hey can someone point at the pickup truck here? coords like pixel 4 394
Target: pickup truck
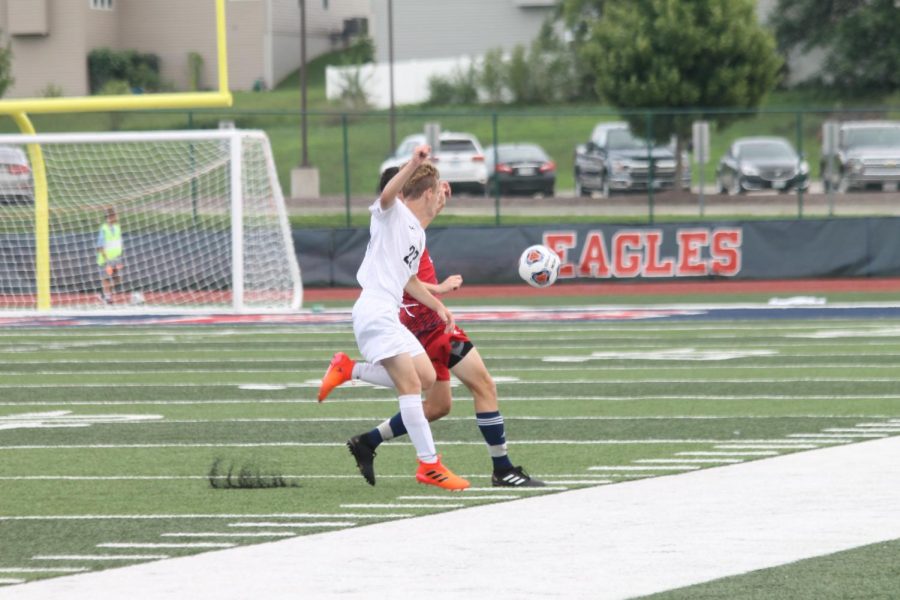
pixel 615 160
pixel 867 155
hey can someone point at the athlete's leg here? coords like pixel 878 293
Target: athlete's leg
pixel 408 374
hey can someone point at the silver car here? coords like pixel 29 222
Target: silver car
pixel 16 184
pixel 460 159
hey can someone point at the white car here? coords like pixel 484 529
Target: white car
pixel 460 160
pixel 16 185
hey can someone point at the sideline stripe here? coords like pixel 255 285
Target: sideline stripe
pixel 402 505
pixel 201 516
pixel 99 556
pixel 214 534
pixel 296 525
pixel 166 545
pixel 43 570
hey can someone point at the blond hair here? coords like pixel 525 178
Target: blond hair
pixel 425 177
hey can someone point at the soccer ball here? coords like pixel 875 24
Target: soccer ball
pixel 539 266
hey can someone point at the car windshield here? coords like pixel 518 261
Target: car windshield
pixel 872 136
pixel 621 139
pixel 458 146
pixel 766 150
pixel 519 153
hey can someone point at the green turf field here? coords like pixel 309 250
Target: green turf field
pixel 108 434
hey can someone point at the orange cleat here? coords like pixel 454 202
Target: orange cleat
pixel 339 371
pixel 437 474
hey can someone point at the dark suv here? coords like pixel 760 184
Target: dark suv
pixel 867 155
pixel 615 160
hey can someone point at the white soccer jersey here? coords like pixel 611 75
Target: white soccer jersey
pixel 396 241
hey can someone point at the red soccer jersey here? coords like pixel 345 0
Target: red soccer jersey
pixel 414 316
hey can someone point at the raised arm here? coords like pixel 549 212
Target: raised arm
pixel 393 187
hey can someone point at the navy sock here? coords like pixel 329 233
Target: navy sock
pixel 375 437
pixel 491 426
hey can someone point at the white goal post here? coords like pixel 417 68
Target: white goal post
pixel 201 222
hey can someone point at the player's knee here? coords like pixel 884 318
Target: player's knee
pixel 427 377
pixel 435 410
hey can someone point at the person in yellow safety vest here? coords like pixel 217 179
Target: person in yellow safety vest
pixel 109 255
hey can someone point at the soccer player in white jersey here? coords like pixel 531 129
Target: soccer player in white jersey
pixel 389 268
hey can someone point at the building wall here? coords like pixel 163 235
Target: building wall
pixel 426 29
pixel 59 58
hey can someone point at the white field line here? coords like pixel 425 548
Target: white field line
pixel 402 505
pixel 582 360
pixel 577 481
pixel 43 570
pixel 295 524
pixel 164 545
pixel 859 432
pixel 154 517
pixel 890 423
pixel 692 461
pixel 546 488
pixel 602 442
pixel 749 453
pixel 766 447
pixel 99 556
pixel 220 534
pixel 643 468
pixel 835 437
pixel 506 399
pixel 10 581
pixel 462 497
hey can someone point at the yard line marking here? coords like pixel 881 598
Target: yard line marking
pixel 296 524
pixel 546 488
pixel 401 505
pixel 689 460
pixel 766 447
pixel 151 545
pixel 835 437
pixel 643 468
pixel 215 534
pixel 462 497
pixel 201 516
pixel 749 453
pixel 43 570
pixel 338 444
pixel 389 400
pixel 99 556
pixel 10 581
pixel 858 431
pixel 578 481
pixel 891 424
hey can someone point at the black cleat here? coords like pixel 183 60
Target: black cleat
pixel 365 457
pixel 514 477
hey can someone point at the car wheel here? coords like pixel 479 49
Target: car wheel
pixel 735 188
pixel 580 190
pixel 720 185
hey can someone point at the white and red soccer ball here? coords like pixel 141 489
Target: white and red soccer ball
pixel 539 266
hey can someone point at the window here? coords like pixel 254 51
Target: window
pixel 102 4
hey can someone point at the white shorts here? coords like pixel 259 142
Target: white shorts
pixel 379 333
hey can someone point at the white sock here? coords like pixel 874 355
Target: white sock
pixel 417 427
pixel 374 374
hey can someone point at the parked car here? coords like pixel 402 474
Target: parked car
pixel 460 159
pixel 867 155
pixel 761 163
pixel 16 183
pixel 614 159
pixel 520 169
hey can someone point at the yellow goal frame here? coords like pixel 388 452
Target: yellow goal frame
pixel 19 109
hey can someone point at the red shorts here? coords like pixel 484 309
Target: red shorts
pixel 437 346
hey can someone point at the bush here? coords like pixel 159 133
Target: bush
pixel 139 71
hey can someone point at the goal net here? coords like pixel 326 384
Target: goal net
pixel 146 222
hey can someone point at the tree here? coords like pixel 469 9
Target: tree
pixel 859 37
pixel 680 55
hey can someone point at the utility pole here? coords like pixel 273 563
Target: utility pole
pixel 392 110
pixel 304 161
